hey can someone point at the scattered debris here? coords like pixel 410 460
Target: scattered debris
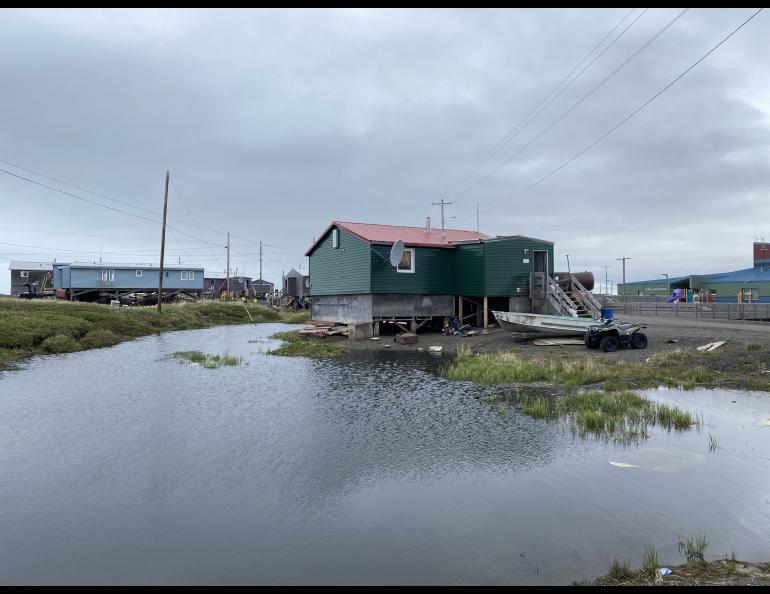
pixel 711 346
pixel 436 349
pixel 623 464
pixel 557 341
pixel 374 338
pixel 663 571
pixel 406 338
pixel 672 341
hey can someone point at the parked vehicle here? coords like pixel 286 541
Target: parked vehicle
pixel 611 335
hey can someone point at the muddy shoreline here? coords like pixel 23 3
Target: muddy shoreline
pixel 663 335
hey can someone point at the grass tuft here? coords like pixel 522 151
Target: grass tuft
pixel 620 570
pixel 650 561
pixel 205 359
pixel 297 345
pixel 693 548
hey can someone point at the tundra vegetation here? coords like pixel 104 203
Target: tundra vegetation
pixel 746 369
pixel 29 328
pixel 206 360
pixel 697 571
pixel 620 416
pixel 297 345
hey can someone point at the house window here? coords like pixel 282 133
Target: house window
pixel 138 273
pixel 335 238
pixel 184 275
pixel 108 275
pixel 188 275
pixel 24 273
pixel 407 261
pixel 212 282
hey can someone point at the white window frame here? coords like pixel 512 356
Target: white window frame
pixel 138 273
pixel 24 273
pixel 108 275
pixel 191 275
pixel 183 275
pixel 335 238
pixel 411 268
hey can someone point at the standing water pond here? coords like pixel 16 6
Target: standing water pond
pixel 121 466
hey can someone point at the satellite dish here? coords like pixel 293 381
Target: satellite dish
pixel 396 253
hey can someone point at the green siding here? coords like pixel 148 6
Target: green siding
pixel 493 268
pixel 345 270
pixel 469 269
pixel 658 288
pixel 730 290
pixel 504 268
pixel 433 272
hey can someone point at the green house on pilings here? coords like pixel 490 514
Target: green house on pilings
pixel 442 273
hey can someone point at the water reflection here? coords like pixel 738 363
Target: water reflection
pixel 119 468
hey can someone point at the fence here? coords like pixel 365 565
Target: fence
pixel 696 311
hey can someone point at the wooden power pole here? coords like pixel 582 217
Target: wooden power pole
pixel 443 204
pixel 228 265
pixel 624 278
pixel 162 246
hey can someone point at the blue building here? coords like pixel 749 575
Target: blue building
pixel 748 285
pixel 93 282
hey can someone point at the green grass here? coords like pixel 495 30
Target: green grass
pixel 678 368
pixel 30 328
pixel 650 561
pixel 620 570
pixel 297 345
pixel 621 416
pixel 206 360
pixel 753 346
pixel 694 549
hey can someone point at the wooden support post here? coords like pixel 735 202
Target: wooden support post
pixel 460 306
pixel 413 326
pixel 486 312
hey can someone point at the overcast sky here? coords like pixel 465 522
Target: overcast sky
pixel 273 123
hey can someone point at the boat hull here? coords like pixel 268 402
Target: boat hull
pixel 527 323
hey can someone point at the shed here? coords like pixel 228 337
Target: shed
pixel 30 275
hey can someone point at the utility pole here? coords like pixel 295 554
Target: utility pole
pixel 624 277
pixel 228 265
pixel 442 204
pixel 477 217
pixel 606 290
pixel 162 245
pixel 260 262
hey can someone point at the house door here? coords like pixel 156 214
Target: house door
pixel 540 263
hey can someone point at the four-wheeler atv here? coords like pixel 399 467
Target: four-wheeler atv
pixel 611 335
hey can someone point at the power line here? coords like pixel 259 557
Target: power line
pixel 575 105
pixel 628 117
pixel 178 193
pixel 93 202
pixel 527 119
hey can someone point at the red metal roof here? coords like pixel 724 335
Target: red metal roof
pixel 411 236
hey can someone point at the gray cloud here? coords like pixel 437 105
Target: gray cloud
pixel 274 122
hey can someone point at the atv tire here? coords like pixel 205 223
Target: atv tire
pixel 639 340
pixel 609 343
